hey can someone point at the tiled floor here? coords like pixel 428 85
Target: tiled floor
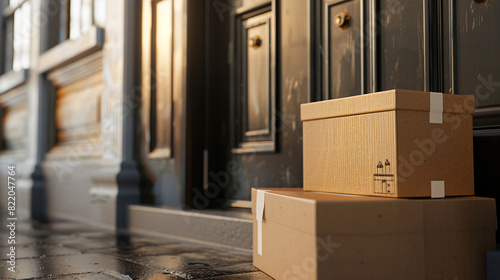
pixel 70 250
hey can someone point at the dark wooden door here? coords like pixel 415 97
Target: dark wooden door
pixel 258 68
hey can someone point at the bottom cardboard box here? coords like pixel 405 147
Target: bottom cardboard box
pixel 307 235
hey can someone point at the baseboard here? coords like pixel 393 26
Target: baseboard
pixel 222 230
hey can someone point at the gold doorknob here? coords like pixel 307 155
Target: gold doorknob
pixel 342 20
pixel 254 42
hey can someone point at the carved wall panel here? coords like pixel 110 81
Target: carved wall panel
pixel 15 127
pixel 78 105
pixel 14 120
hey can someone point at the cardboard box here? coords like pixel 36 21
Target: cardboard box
pixel 397 143
pixel 308 235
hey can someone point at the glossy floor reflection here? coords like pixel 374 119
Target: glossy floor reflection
pixel 71 250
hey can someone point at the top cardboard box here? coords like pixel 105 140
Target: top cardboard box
pixel 396 143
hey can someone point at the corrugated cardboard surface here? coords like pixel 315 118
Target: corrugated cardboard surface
pixel 341 154
pixel 434 152
pixel 396 99
pixel 310 235
pixel 345 139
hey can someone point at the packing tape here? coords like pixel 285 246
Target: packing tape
pixel 437 189
pixel 436 108
pixel 259 217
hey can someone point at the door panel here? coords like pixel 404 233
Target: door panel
pixel 477 55
pixel 161 101
pixel 470 44
pixel 257 95
pixel 400 46
pixel 258 79
pixel 342 42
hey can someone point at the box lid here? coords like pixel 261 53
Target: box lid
pixel 325 213
pixel 396 99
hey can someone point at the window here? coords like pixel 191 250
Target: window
pixel 16 33
pixel 83 14
pixel 74 18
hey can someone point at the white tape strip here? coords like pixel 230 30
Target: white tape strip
pixel 259 216
pixel 436 109
pixel 437 189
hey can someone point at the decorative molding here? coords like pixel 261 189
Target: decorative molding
pixel 78 117
pixel 15 127
pixel 255 147
pixel 14 119
pixel 160 153
pixel 372 49
pixel 362 47
pixel 486 132
pixel 77 70
pixel 487 111
pixel 64 152
pixel 452 46
pixel 427 48
pixel 250 6
pixel 71 50
pixel 12 80
pixel 79 133
pixel 486 121
pixel 240 204
pixel 13 97
pixel 78 106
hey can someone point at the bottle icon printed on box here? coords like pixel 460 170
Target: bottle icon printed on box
pixel 383 179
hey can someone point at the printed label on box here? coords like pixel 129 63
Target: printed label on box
pixel 383 179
